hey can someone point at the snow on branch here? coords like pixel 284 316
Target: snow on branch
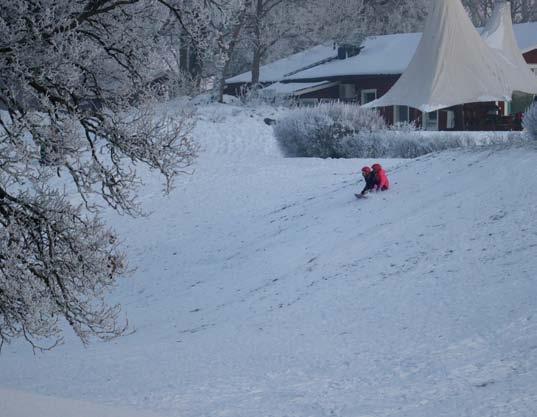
pixel 76 116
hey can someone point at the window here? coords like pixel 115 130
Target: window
pixel 534 69
pixel 508 108
pixel 368 96
pixel 433 116
pixel 430 121
pixel 401 114
pixel 450 122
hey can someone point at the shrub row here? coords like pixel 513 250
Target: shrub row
pixel 337 130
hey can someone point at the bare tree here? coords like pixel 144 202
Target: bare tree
pixel 269 22
pixel 212 28
pixel 524 10
pixel 227 25
pixel 77 97
pixel 521 10
pixel 479 10
pixel 188 46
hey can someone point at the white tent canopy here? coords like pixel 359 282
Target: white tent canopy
pixel 499 35
pixel 454 65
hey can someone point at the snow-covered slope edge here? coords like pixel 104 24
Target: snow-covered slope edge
pixel 21 404
pixel 264 288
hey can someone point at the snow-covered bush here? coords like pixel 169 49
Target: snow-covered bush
pixel 404 126
pixel 530 121
pixel 254 97
pixel 321 130
pixel 347 131
pixel 411 144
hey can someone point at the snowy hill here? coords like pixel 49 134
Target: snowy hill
pixel 264 288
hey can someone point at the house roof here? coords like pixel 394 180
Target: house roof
pixel 277 70
pixel 386 54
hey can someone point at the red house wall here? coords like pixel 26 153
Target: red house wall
pixel 326 93
pixel 531 56
pixel 415 116
pixel 382 83
pixel 387 113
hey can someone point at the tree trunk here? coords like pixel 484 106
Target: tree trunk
pixel 256 61
pixel 221 83
pixel 256 64
pixel 228 52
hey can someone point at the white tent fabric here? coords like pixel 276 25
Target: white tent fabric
pixel 452 65
pixel 499 35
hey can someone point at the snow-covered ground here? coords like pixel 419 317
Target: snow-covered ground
pixel 264 288
pixel 15 403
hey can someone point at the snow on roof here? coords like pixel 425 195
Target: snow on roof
pixel 291 88
pixel 277 70
pixel 526 36
pixel 386 54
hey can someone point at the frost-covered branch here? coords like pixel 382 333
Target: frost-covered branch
pixel 76 117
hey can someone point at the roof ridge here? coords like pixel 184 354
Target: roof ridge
pixel 322 61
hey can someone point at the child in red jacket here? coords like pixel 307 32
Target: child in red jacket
pixel 370 181
pixel 382 181
pixel 375 180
